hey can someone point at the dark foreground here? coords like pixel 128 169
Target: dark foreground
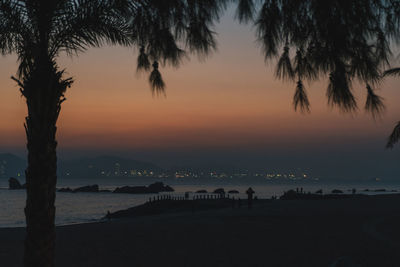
pixel 364 231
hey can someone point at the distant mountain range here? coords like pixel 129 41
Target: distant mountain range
pixel 13 166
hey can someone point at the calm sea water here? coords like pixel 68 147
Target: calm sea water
pixel 90 207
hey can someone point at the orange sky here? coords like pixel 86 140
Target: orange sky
pixel 229 100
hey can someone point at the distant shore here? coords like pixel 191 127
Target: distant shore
pixel 359 231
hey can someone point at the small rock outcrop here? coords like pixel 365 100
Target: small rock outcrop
pixel 155 188
pixel 380 190
pixel 14 184
pixel 87 189
pixel 160 187
pixel 337 191
pixel 132 190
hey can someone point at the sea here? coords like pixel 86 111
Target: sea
pixel 74 208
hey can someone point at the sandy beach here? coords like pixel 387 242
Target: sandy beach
pixel 360 231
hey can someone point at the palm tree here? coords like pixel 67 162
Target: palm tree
pixel 340 39
pixel 38 31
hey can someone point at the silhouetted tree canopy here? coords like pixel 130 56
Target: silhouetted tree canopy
pixel 346 41
pixel 342 40
pixel 163 31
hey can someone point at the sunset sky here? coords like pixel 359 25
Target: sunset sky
pixel 227 109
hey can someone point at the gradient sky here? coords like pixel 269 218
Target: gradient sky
pixel 225 110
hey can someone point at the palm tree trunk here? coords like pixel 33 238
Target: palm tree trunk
pixel 44 91
pixel 41 177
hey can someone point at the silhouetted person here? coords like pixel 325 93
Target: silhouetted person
pixel 250 193
pixel 239 203
pixel 354 191
pixel 301 190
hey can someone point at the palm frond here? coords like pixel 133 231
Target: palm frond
pixel 300 99
pixel 303 67
pixel 200 38
pixel 374 103
pixel 143 62
pixel 85 23
pixel 268 24
pixel 284 68
pixel 394 137
pixel 364 63
pixel 245 10
pixel 339 90
pixel 162 46
pixel 382 50
pixel 156 80
pixel 14 26
pixel 392 72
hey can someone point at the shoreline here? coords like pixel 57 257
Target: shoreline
pixel 127 215
pixel 361 231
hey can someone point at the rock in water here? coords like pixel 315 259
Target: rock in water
pixel 151 189
pixel 133 190
pixel 89 188
pixel 14 184
pixel 337 191
pixel 160 187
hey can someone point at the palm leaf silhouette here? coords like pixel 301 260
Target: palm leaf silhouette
pixel 156 81
pixel 339 90
pixel 245 10
pixel 392 72
pixel 394 137
pixel 284 68
pixel 143 62
pixel 374 103
pixel 300 99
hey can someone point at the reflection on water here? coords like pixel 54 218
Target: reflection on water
pixel 87 207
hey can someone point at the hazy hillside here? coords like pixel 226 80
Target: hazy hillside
pixel 103 166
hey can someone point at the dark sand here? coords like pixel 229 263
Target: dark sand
pixel 346 232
